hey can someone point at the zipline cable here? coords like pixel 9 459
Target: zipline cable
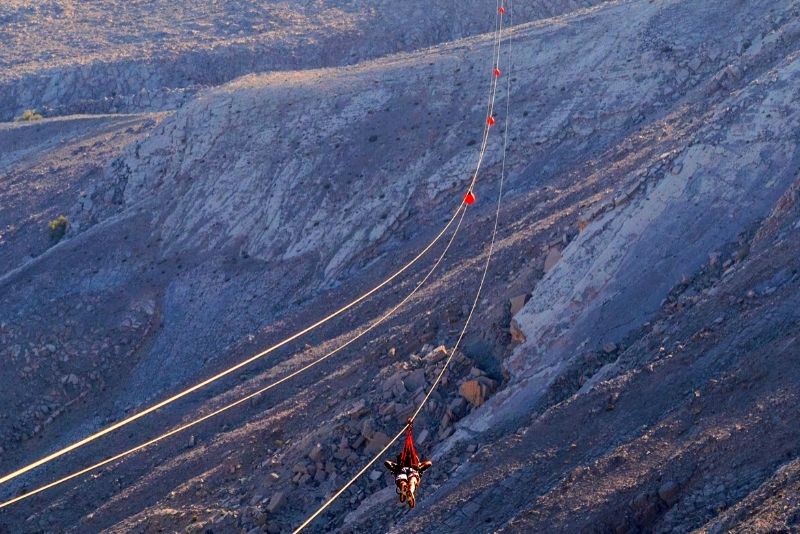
pixel 220 375
pixel 226 372
pixel 463 330
pixel 264 389
pixel 128 420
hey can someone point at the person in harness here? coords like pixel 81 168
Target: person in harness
pixel 408 469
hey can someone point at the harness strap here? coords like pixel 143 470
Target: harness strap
pixel 409 456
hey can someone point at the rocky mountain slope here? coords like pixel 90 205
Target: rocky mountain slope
pixel 633 363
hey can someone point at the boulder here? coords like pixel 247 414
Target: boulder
pixel 474 372
pixel 490 384
pixel 415 380
pixel 276 502
pixel 403 411
pixel 366 429
pixel 391 384
pixel 315 454
pixel 518 302
pixel 300 468
pixel 473 391
pixel 458 407
pixel 360 440
pixel 359 409
pixel 436 355
pixel 388 409
pixel 378 441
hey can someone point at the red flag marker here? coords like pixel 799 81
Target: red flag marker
pixel 469 198
pixel 502 10
pixel 490 121
pixel 497 72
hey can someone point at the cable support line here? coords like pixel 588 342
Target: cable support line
pixel 490 251
pixel 228 371
pixel 260 391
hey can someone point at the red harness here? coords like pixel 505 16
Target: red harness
pixel 409 457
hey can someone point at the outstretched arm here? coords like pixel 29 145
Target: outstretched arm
pixel 391 466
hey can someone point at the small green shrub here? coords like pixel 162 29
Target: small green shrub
pixel 58 227
pixel 29 115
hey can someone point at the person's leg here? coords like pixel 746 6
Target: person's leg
pixel 413 481
pixel 402 486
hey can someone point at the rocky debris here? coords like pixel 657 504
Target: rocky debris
pixel 367 429
pixel 415 380
pixel 343 451
pixel 436 355
pixel 394 386
pixel 359 409
pixel 458 407
pixel 377 442
pixel 315 454
pixel 474 392
pixel 276 502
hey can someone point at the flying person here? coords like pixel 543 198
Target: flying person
pixel 408 469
